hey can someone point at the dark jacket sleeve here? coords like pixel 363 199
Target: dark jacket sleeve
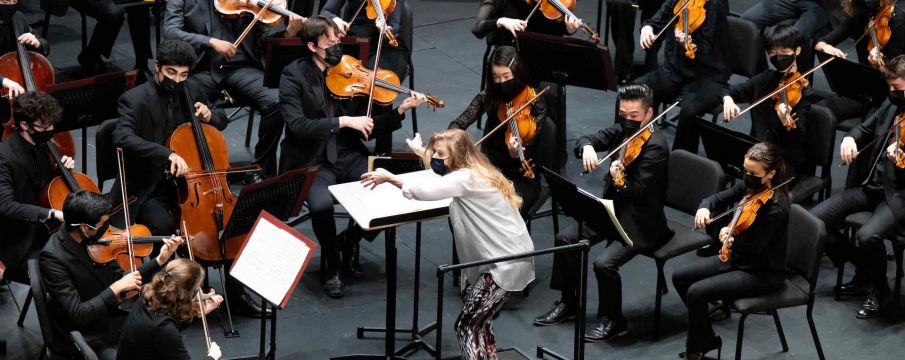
pixel 26 28
pixel 724 198
pixel 744 92
pixel 387 122
pixel 291 92
pixel 649 166
pixel 659 20
pixel 174 24
pixel 168 342
pixel 125 135
pixel 332 8
pixel 9 207
pixel 472 113
pixel 758 236
pixel 603 140
pixel 147 270
pixel 488 15
pixel 840 32
pixel 82 312
pixel 866 131
pixel 395 19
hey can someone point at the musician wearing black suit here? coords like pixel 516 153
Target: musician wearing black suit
pixel 237 69
pixel 85 295
pixel 13 22
pixel 881 191
pixel 25 167
pixel 638 205
pixel 498 20
pixel 622 24
pixel 325 131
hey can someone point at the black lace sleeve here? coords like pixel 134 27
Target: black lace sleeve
pixel 472 113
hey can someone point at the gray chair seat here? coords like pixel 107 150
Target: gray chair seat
pixel 858 219
pixel 790 295
pixel 683 241
pixel 805 187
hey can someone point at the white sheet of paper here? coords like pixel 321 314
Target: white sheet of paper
pixel 270 261
pixel 364 204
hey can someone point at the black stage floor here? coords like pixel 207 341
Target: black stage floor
pixel 447 59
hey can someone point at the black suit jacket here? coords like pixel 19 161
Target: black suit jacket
pixel 148 335
pixel 639 204
pixel 893 177
pixel 24 170
pixel 309 129
pixel 142 129
pixel 80 296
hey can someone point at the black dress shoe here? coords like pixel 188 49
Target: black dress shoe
pixel 90 63
pixel 715 343
pixel 858 285
pixel 253 177
pixel 874 305
pixel 334 286
pixel 245 306
pixel 560 312
pixel 607 330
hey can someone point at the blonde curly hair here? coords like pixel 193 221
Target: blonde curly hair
pixel 173 288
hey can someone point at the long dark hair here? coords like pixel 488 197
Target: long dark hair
pixel 505 55
pixel 768 155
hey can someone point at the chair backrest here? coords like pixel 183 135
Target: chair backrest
pixel 87 102
pixel 821 139
pixel 804 246
pixel 749 59
pixel 105 158
pixel 39 296
pixel 691 179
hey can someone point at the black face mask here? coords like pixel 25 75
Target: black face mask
pixel 897 98
pixel 753 182
pixel 169 86
pixel 439 167
pixel 97 235
pixel 630 127
pixel 333 55
pixel 509 89
pixel 7 11
pixel 782 62
pixel 41 137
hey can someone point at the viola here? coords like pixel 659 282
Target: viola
pixel 55 192
pixel 793 85
pixel 632 150
pixel 522 125
pixel 557 10
pixel 691 16
pixel 350 78
pixel 880 32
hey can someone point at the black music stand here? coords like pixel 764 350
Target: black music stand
pixel 855 80
pixel 582 206
pixel 725 146
pixel 279 52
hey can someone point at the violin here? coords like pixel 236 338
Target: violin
pixel 268 12
pixel 379 10
pixel 880 32
pixel 743 217
pixel 900 141
pixel 522 126
pixel 793 85
pixel 350 78
pixel 557 10
pixel 632 150
pixel 645 128
pixel 35 73
pixel 55 192
pixel 115 245
pixel 691 15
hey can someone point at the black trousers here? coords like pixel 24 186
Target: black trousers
pixel 110 17
pixel 606 268
pixel 246 85
pixel 810 14
pixel 622 24
pixel 529 190
pixel 709 279
pixel 868 253
pixel 697 96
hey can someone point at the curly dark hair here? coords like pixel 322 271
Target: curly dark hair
pixel 172 290
pixel 32 107
pixel 175 52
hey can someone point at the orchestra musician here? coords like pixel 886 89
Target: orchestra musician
pixel 756 265
pixel 486 225
pixel 167 305
pixel 622 15
pixel 881 191
pixel 498 20
pixel 236 69
pixel 84 295
pixel 13 22
pixel 508 78
pixel 325 131
pixel 639 207
pixel 810 15
pixel 25 167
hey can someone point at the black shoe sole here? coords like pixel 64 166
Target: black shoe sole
pixel 611 338
pixel 567 318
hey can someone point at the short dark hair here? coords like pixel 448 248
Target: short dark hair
pixel 84 207
pixel 636 92
pixel 315 27
pixel 895 68
pixel 32 107
pixel 782 36
pixel 175 52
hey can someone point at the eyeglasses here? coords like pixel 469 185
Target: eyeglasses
pixel 47 127
pixel 88 225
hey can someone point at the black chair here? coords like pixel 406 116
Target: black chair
pixel 691 179
pixel 803 255
pixel 821 139
pixel 854 222
pixel 55 346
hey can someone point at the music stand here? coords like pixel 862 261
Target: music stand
pixel 279 52
pixel 281 196
pixel 587 209
pixel 725 146
pixel 855 80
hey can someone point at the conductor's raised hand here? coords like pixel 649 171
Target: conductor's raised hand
pixel 377 177
pixel 415 144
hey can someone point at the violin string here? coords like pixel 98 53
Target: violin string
pixel 674 17
pixel 503 122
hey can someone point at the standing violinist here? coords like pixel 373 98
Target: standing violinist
pixel 236 69
pixel 498 20
pixel 695 80
pixel 25 167
pixel 881 191
pixel 13 22
pixel 638 201
pixel 622 25
pixel 756 265
pixel 769 120
pixel 326 131
pixel 508 78
pixel 85 295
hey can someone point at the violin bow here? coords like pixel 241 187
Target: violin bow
pixel 536 6
pixel 878 136
pixel 198 298
pixel 742 204
pixel 252 24
pixel 624 143
pixel 355 15
pixel 514 113
pixel 674 17
pixel 126 216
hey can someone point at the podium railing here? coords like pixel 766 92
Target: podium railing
pixel 583 247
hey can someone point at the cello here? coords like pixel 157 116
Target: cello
pixel 55 192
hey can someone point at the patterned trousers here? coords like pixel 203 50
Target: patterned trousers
pixel 474 327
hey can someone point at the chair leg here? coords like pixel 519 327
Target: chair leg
pixel 24 311
pixel 899 251
pixel 839 273
pixel 251 122
pixel 741 336
pixel 46 28
pixel 84 31
pixel 661 286
pixel 782 335
pixel 814 332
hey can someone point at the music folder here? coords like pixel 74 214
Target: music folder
pixel 725 146
pixel 396 163
pixel 586 208
pixel 272 259
pixel 855 80
pixel 385 206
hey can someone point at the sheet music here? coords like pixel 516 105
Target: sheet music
pixel 365 205
pixel 270 261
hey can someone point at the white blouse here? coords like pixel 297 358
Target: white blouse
pixel 484 224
